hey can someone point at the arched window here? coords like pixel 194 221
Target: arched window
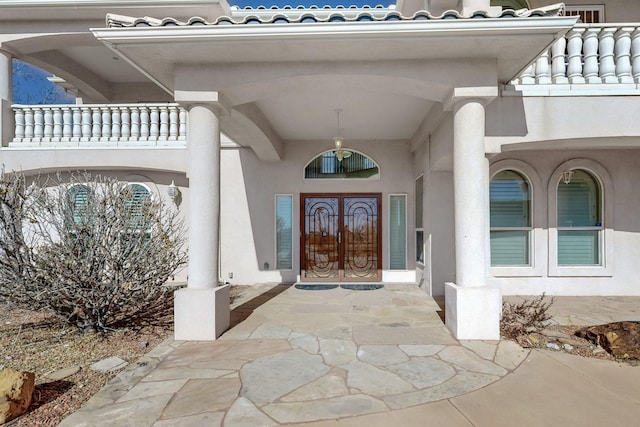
pixel 579 213
pixel 327 165
pixel 136 197
pixel 78 204
pixel 510 210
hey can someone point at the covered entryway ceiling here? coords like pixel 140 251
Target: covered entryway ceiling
pixel 284 81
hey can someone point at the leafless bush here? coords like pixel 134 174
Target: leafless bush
pixel 92 250
pixel 518 319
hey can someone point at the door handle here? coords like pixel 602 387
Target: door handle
pixel 339 237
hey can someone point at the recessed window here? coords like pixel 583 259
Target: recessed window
pixel 327 165
pixel 284 231
pixel 136 198
pixel 579 220
pixel 588 13
pixel 510 210
pixel 418 216
pixel 397 232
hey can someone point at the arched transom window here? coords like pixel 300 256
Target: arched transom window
pixel 327 165
pixel 510 208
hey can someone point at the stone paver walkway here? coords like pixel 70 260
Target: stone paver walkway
pixel 301 356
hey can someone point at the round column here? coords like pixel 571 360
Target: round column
pixel 204 197
pixel 471 193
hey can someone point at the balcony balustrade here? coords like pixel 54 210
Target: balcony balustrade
pixel 590 57
pixel 99 125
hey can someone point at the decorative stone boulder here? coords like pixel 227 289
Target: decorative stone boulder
pixel 16 390
pixel 621 339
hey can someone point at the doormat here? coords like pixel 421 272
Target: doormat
pixel 315 287
pixel 347 286
pixel 362 287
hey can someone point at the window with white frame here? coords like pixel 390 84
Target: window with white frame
pixel 418 219
pixel 579 210
pixel 510 218
pixel 397 232
pixel 284 231
pixel 588 13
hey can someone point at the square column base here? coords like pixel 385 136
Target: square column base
pixel 201 314
pixel 473 313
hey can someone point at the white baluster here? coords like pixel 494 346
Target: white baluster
pixel 635 55
pixel 154 128
pixel 135 123
pixel 144 123
pixel 542 69
pixel 526 78
pixel 558 65
pixel 47 132
pixel 115 126
pixel 19 124
pixel 623 55
pixel 38 125
pixel 29 123
pixel 590 48
pixel 57 123
pixel 106 123
pixel 164 124
pixel 607 60
pixel 77 123
pixel 182 131
pixel 574 54
pixel 126 123
pixel 67 123
pixel 173 123
pixel 87 125
pixel 96 121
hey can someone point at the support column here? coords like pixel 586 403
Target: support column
pixel 202 309
pixel 6 99
pixel 472 308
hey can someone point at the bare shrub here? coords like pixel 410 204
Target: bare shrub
pixel 531 314
pixel 92 250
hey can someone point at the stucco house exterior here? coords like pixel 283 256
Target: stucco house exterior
pixel 474 148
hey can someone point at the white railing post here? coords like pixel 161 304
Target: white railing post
pixel 29 124
pixel 558 65
pixel 635 55
pixel 144 123
pixel 154 128
pixel 182 129
pixel 19 124
pixel 67 123
pixel 106 123
pixel 173 123
pixel 125 117
pixel 38 124
pixel 115 124
pixel 96 128
pixel 135 122
pixel 164 124
pixel 574 54
pixel 607 60
pixel 623 55
pixel 77 124
pixel 542 69
pixel 47 131
pixel 591 68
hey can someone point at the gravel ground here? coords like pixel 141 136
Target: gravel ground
pixel 43 344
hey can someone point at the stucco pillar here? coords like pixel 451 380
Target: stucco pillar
pixel 202 308
pixel 472 308
pixel 6 99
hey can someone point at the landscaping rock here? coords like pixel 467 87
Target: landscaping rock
pixel 109 364
pixel 553 346
pixel 63 373
pixel 16 390
pixel 621 339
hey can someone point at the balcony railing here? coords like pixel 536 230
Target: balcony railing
pixel 99 125
pixel 589 55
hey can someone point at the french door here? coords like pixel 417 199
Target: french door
pixel 340 237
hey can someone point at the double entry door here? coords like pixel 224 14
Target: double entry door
pixel 340 237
